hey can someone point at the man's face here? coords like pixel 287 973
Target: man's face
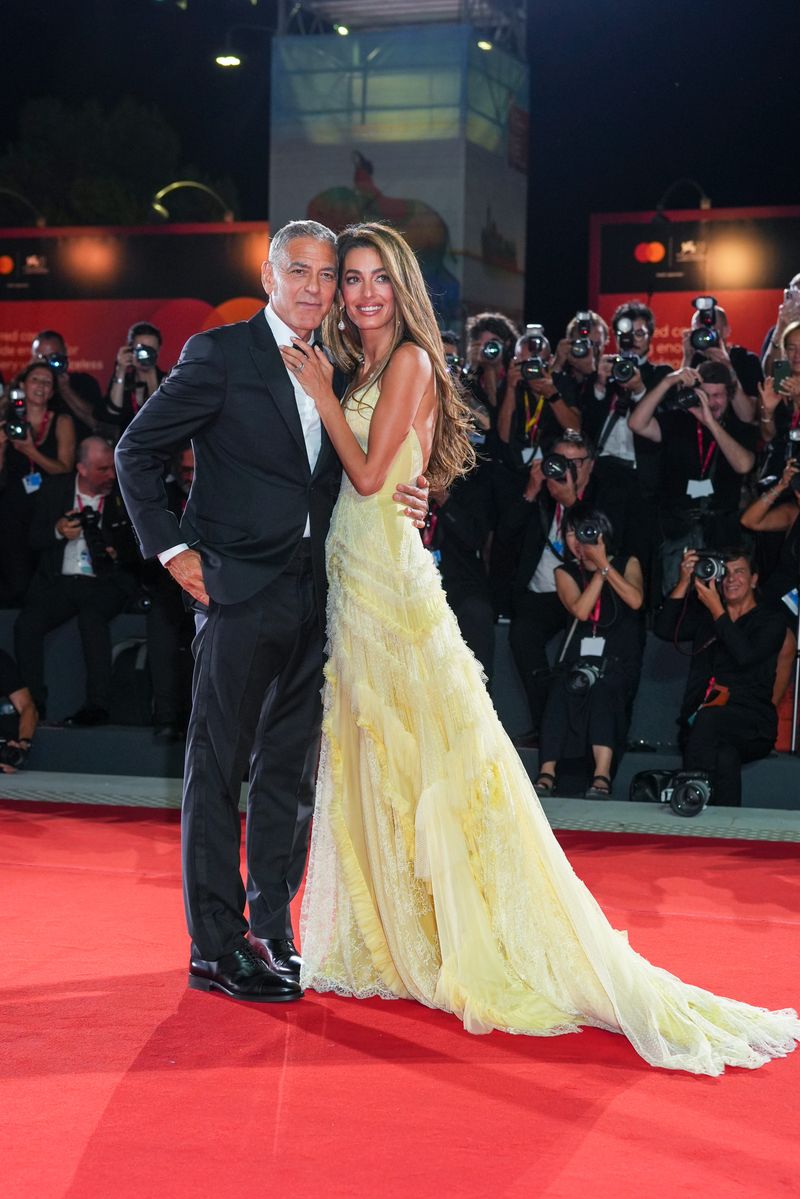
pixel 566 491
pixel 717 396
pixel 97 473
pixel 739 580
pixel 641 337
pixel 302 284
pixel 722 327
pixel 43 347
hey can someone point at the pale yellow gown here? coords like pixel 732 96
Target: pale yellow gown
pixel 434 874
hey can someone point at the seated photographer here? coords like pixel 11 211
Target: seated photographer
pixel 458 527
pixel 86 569
pixel 708 340
pixel 706 453
pixel 592 691
pixel 36 443
pixel 533 523
pixel 727 716
pixel 788 314
pixel 18 717
pixel 136 376
pixel 779 407
pixel 77 392
pixel 533 410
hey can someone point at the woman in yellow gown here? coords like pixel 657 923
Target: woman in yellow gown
pixel 433 872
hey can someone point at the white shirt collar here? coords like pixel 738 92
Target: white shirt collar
pixel 280 330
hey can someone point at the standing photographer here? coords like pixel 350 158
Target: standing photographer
pixel 590 698
pixel 708 339
pixel 534 411
pixel 706 453
pixel 779 408
pixel 727 716
pixel 136 376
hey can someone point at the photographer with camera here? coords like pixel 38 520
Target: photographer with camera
pixel 136 376
pixel 533 410
pixel 708 340
pixel 490 338
pixel 574 365
pixel 532 523
pixel 727 716
pixel 775 512
pixel 706 453
pixel 86 569
pixel 78 393
pixel 788 314
pixel 36 443
pixel 592 690
pixel 779 407
pixel 18 717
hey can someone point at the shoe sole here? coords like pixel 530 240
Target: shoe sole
pixel 208 984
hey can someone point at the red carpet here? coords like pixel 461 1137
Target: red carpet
pixel 117 1081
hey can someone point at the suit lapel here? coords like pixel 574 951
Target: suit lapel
pixel 271 367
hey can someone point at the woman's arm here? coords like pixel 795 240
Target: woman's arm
pixel 579 604
pixel 406 382
pixel 65 449
pixel 762 517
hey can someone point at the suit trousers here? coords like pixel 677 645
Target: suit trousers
pixel 720 740
pixel 256 697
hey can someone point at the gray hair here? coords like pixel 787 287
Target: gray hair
pixel 288 232
pixel 90 443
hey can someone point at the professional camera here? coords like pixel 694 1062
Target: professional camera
pixel 147 356
pixel 710 566
pixel 705 335
pixel 535 343
pixel 690 793
pixel 57 362
pixel 587 532
pixel 581 344
pixel 455 363
pixel 624 332
pixel 17 424
pixel 794 445
pixel 95 541
pixel 684 399
pixel 490 351
pixel 624 367
pixel 583 676
pixel 533 368
pixel 556 466
pixel 12 755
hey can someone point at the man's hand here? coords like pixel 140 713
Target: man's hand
pixel 635 384
pixel 703 414
pixel 415 500
pixel 535 480
pixel 513 375
pixel 543 387
pixel 688 563
pixel 686 376
pixel 69 526
pixel 709 597
pixel 186 569
pixel 604 369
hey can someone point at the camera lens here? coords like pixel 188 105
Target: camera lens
pixel 709 567
pixel 492 350
pixel 57 362
pixel 533 368
pixel 554 466
pixel 587 532
pixel 702 339
pixel 690 797
pixel 581 347
pixel 623 369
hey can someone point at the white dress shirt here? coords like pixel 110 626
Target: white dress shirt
pixel 77 559
pixel 306 410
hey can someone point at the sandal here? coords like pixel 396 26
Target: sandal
pixel 595 792
pixel 545 783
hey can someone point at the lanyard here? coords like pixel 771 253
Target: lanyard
pixel 44 427
pixel 704 461
pixel 532 418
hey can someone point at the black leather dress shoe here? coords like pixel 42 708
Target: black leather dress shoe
pixel 242 975
pixel 167 734
pixel 279 953
pixel 87 717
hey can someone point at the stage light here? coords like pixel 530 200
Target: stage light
pixel 159 208
pixel 484 45
pixel 342 30
pixel 228 60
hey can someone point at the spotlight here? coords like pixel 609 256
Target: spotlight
pixel 342 30
pixel 484 45
pixel 228 60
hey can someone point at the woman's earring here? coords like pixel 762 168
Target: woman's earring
pixel 341 325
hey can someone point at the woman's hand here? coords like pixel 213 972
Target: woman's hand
pixel 310 365
pixel 789 471
pixel 790 388
pixel 768 395
pixel 26 446
pixel 596 555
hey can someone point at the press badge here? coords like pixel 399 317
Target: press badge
pixel 698 489
pixel 593 647
pixel 31 482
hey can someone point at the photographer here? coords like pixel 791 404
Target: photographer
pixel 590 697
pixel 136 376
pixel 707 340
pixel 779 407
pixel 85 570
pixel 533 410
pixel 490 338
pixel 18 717
pixel 788 314
pixel 36 443
pixel 707 451
pixel 574 365
pixel 727 716
pixel 775 511
pixel 78 392
pixel 533 523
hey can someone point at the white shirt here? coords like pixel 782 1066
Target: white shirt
pixel 543 580
pixel 77 560
pixel 306 410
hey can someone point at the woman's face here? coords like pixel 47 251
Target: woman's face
pixel 367 291
pixel 574 546
pixel 38 386
pixel 791 348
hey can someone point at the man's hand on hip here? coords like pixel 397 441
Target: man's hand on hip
pixel 186 569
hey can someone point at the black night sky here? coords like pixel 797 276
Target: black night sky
pixel 625 99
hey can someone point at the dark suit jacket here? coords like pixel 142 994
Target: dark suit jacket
pixel 231 395
pixel 53 502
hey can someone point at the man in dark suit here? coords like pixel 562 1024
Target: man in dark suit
pixel 250 551
pixel 87 568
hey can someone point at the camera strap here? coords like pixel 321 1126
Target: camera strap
pixel 567 640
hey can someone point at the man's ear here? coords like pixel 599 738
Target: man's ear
pixel 267 277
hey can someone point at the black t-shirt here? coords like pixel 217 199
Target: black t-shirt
pixel 689 452
pixel 746 366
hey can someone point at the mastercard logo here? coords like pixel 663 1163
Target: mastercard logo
pixel 6 264
pixel 650 251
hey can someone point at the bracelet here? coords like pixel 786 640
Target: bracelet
pixel 119 378
pixel 604 571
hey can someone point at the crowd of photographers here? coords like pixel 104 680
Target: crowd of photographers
pixel 67 548
pixel 612 494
